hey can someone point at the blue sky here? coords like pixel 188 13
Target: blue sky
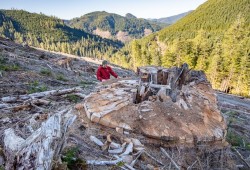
pixel 68 9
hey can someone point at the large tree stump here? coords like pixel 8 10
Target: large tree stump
pixel 174 105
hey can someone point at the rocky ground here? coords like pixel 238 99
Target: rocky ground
pixel 28 77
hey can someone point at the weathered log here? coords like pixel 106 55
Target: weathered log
pixel 39 149
pixel 104 162
pixel 96 141
pixel 10 99
pixel 26 105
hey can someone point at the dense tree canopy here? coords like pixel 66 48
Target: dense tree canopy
pixel 214 38
pixel 115 23
pixel 51 33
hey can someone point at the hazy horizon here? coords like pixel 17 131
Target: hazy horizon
pixel 140 8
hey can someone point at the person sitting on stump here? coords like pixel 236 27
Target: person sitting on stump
pixel 104 71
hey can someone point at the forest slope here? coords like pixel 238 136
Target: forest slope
pixel 213 38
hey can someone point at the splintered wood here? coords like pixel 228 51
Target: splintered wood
pixel 175 105
pixel 39 149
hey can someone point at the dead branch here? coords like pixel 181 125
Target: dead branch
pixel 128 150
pixel 199 162
pixel 175 164
pixel 159 162
pixel 96 162
pixel 96 141
pixel 190 167
pixel 241 157
pixel 37 107
pixel 49 66
pixel 118 150
pixel 134 161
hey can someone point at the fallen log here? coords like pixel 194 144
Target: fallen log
pixel 26 105
pixel 39 149
pixel 10 99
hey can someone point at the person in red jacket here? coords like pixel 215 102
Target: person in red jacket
pixel 104 71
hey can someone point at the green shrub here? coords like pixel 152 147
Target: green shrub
pixel 2 60
pixel 86 83
pixel 231 113
pixel 11 67
pixel 73 98
pixel 120 164
pixel 73 162
pixel 46 72
pixel 248 146
pixel 34 87
pixel 234 139
pixel 61 77
pixel 4 66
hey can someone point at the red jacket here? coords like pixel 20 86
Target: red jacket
pixel 104 73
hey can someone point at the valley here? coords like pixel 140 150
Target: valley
pixel 27 71
pixel 181 99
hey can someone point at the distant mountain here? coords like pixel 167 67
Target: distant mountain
pixel 213 38
pixel 52 34
pixel 130 16
pixel 172 19
pixel 113 26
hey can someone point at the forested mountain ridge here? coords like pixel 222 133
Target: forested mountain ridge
pixel 51 33
pixel 172 19
pixel 115 26
pixel 214 38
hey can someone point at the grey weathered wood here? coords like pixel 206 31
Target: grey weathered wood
pixel 39 149
pixel 103 162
